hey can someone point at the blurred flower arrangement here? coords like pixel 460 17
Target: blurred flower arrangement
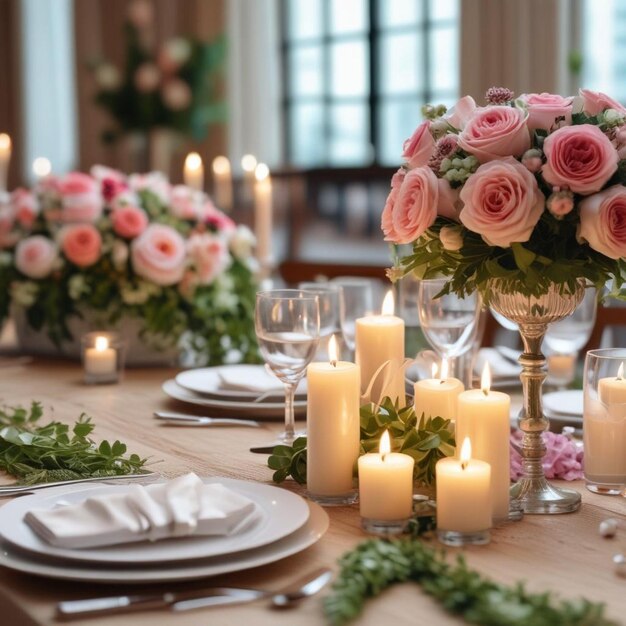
pixel 529 190
pixel 173 86
pixel 129 246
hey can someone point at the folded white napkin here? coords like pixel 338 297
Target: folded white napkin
pixel 256 380
pixel 181 507
pixel 499 365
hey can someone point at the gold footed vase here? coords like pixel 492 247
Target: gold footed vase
pixel 533 493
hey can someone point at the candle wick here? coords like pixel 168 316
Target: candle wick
pixel 485 391
pixel 382 456
pixel 442 381
pixel 333 363
pixel 463 464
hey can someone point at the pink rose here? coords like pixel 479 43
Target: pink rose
pixel 158 255
pixel 186 203
pixel 415 208
pixel 25 206
pixel 35 256
pixel 8 238
pixel 619 141
pixel 212 216
pixel 80 197
pixel 81 244
pixel 560 203
pixel 461 112
pixel 209 256
pixel 603 221
pixel 581 158
pixel 494 132
pixel 449 204
pixel 129 221
pixel 595 102
pixel 418 148
pixel 501 202
pixel 545 108
pixel 154 182
pixel 386 220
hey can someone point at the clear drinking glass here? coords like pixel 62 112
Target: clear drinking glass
pixel 408 304
pixel 449 323
pixel 564 339
pixel 356 300
pixel 604 421
pixel 287 324
pixel 329 298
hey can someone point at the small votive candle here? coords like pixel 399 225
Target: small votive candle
pixel 103 357
pixel 385 489
pixel 463 499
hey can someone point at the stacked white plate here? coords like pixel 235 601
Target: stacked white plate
pixel 564 406
pixel 204 387
pixel 287 524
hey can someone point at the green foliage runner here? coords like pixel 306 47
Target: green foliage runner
pixel 426 441
pixel 377 564
pixel 50 453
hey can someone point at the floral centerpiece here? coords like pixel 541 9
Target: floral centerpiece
pixel 528 190
pixel 125 247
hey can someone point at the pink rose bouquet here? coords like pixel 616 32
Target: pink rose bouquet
pixel 529 190
pixel 129 246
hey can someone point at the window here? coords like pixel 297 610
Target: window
pixel 604 47
pixel 357 73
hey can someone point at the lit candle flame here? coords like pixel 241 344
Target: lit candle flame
pixel 485 379
pixel 221 165
pixel 385 445
pixel 388 304
pixel 620 372
pixel 102 343
pixel 332 351
pixel 444 369
pixel 193 162
pixel 261 172
pixel 466 452
pixel 433 370
pixel 248 162
pixel 5 142
pixel 42 167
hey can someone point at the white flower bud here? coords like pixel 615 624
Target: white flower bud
pixel 451 238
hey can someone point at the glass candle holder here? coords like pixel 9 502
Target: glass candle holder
pixel 103 355
pixel 604 421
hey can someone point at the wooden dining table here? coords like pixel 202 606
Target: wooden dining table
pixel 560 553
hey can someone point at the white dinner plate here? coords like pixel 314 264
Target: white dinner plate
pixel 206 381
pixel 281 513
pixel 305 536
pixel 250 410
pixel 566 403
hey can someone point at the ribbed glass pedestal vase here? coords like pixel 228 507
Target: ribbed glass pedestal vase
pixel 533 314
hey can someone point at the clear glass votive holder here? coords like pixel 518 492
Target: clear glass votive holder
pixel 457 538
pixel 604 421
pixel 103 355
pixel 344 499
pixel 384 527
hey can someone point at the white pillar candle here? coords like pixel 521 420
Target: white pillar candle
pixel 5 159
pixel 193 171
pixel 484 416
pixel 263 214
pixel 463 493
pixel 222 183
pixel 604 432
pixel 333 425
pixel 386 484
pixel 380 338
pixel 437 396
pixel 248 165
pixel 100 359
pixel 561 367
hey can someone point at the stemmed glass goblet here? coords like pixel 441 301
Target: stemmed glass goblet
pixel 287 325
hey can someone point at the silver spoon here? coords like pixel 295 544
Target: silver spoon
pixel 181 419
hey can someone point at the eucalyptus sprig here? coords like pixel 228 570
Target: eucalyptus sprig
pixel 427 440
pixel 50 453
pixel 377 564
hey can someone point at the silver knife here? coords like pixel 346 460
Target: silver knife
pixel 180 419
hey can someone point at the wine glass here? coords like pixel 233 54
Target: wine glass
pixel 564 340
pixel 449 323
pixel 357 300
pixel 287 324
pixel 328 296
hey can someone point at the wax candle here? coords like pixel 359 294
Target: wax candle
pixel 463 495
pixel 332 428
pixel 561 367
pixel 5 159
pixel 101 359
pixel 484 416
pixel 604 432
pixel 222 183
pixel 263 214
pixel 248 165
pixel 380 338
pixel 437 396
pixel 386 484
pixel 193 171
